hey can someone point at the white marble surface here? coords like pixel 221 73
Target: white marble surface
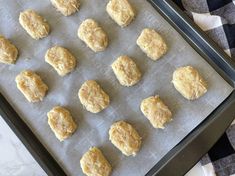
pixel 15 160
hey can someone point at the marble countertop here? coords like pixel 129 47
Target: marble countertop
pixel 15 160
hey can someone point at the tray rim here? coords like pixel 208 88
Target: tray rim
pixel 29 139
pixel 197 38
pixel 171 163
pixel 51 166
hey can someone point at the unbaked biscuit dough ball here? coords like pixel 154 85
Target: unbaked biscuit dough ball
pixel 92 97
pixel 125 138
pixel 152 44
pixel 93 35
pixel 61 122
pixel 126 71
pixel 93 163
pixel 34 24
pixel 189 82
pixel 61 60
pixel 31 85
pixel 8 51
pixel 156 111
pixel 66 7
pixel 120 11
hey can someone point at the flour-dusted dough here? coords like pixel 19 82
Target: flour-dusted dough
pixel 92 96
pixel 152 44
pixel 8 51
pixel 61 59
pixel 120 11
pixel 31 85
pixel 93 163
pixel 125 138
pixel 93 35
pixel 61 122
pixel 35 25
pixel 189 82
pixel 66 7
pixel 126 71
pixel 156 111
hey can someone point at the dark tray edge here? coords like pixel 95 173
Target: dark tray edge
pixel 51 167
pixel 30 141
pixel 183 156
pixel 197 143
pixel 198 39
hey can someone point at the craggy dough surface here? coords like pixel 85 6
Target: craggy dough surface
pixel 93 35
pixel 61 60
pixel 152 44
pixel 31 85
pixel 35 25
pixel 93 163
pixel 125 138
pixel 126 71
pixel 92 97
pixel 66 7
pixel 61 122
pixel 189 82
pixel 8 51
pixel 121 12
pixel 156 111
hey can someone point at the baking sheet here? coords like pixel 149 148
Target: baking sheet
pixel 93 128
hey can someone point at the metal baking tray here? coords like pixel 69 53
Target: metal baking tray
pixel 183 156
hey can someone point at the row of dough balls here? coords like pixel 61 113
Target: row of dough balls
pixel 119 10
pixel 89 31
pixel 121 134
pixel 64 62
pixel 124 137
pixel 186 80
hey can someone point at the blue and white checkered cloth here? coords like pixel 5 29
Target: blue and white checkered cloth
pixel 217 19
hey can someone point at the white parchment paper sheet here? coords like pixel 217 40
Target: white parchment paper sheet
pixel 125 102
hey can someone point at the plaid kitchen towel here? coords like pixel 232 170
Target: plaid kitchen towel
pixel 220 160
pixel 217 19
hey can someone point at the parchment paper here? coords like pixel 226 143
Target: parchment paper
pixel 125 102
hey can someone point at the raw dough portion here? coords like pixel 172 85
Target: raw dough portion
pixel 120 11
pixel 31 85
pixel 35 25
pixel 93 35
pixel 156 111
pixel 66 7
pixel 61 59
pixel 189 82
pixel 125 138
pixel 61 122
pixel 8 51
pixel 92 96
pixel 93 163
pixel 126 71
pixel 152 44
